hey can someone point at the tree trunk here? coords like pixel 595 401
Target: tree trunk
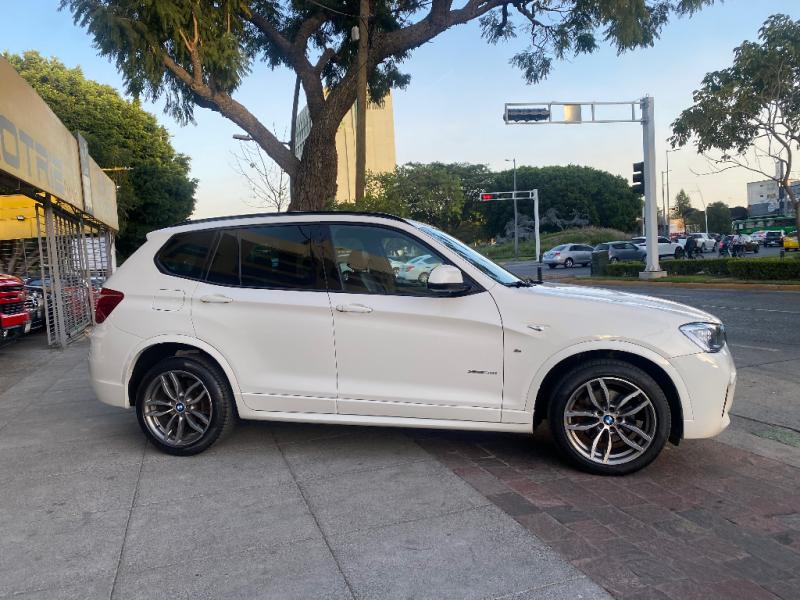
pixel 314 185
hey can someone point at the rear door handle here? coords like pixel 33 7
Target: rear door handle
pixel 354 308
pixel 216 299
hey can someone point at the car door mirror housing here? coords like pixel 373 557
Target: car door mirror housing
pixel 447 279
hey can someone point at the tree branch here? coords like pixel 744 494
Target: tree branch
pixel 230 108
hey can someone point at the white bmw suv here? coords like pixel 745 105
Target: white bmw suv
pixel 308 317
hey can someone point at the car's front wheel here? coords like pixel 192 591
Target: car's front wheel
pixel 568 263
pixel 609 417
pixel 184 405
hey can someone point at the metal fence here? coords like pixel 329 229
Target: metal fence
pixel 74 261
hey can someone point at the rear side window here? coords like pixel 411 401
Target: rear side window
pixel 185 254
pixel 278 256
pixel 224 268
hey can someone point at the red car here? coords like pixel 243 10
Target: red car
pixel 14 317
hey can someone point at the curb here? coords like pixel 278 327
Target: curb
pixel 781 287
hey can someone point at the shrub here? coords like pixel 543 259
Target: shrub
pixel 717 267
pixel 626 268
pixel 764 268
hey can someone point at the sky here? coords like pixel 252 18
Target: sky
pixel 452 110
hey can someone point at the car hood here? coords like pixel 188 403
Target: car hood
pixel 622 299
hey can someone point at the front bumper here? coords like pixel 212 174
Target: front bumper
pixel 710 380
pixel 12 321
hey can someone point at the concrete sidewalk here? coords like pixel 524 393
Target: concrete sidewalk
pixel 89 510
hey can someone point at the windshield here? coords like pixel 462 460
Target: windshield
pixel 476 259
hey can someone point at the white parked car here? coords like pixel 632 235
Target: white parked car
pixel 250 317
pixel 419 269
pixel 665 247
pixel 705 243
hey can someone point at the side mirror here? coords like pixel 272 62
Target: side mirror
pixel 446 279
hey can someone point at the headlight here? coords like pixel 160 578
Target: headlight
pixel 709 336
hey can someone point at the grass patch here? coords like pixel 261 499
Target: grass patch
pixel 527 249
pixel 698 279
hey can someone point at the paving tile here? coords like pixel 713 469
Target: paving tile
pixel 576 589
pixel 171 532
pixel 94 589
pixel 371 449
pixel 367 499
pixel 223 468
pixel 295 571
pixel 58 551
pixel 742 589
pixel 513 504
pixel 478 553
pixel 544 527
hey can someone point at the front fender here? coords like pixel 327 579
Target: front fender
pixel 609 345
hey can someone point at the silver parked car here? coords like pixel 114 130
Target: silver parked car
pixel 568 255
pixel 621 250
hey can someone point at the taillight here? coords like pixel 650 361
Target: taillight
pixel 106 302
pixel 557 253
pixel 409 268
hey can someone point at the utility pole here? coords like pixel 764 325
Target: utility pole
pixel 652 269
pixel 516 212
pixel 361 101
pixel 668 197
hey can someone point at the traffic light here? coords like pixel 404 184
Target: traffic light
pixel 487 196
pixel 638 178
pixel 526 114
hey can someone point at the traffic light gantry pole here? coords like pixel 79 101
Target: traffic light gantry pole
pixel 642 111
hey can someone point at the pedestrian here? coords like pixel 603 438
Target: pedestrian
pixel 690 247
pixel 738 245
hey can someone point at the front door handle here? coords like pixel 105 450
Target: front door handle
pixel 216 299
pixel 354 308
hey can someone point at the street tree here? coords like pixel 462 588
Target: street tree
pixel 197 53
pixel 155 189
pixel 682 205
pixel 719 217
pixel 748 115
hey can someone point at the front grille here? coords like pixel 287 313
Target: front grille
pixel 11 288
pixel 13 308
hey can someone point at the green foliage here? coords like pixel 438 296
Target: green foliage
pixel 158 190
pixel 425 192
pixel 752 107
pixel 682 205
pixel 604 199
pixel 762 269
pixel 719 217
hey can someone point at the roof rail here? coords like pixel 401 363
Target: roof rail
pixel 290 214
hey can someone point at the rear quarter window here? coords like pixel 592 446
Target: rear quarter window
pixel 185 254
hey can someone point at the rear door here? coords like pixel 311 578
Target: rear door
pixel 264 306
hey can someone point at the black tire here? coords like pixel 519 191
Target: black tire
pixel 568 263
pixel 756 250
pixel 613 259
pixel 220 400
pixel 423 278
pixel 552 266
pixel 615 372
pixel 678 253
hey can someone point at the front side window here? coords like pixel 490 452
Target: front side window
pixel 378 260
pixel 185 254
pixel 476 259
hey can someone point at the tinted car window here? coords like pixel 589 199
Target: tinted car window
pixel 618 246
pixel 601 247
pixel 185 254
pixel 278 256
pixel 224 268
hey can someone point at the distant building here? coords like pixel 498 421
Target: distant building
pixel 381 157
pixel 767 198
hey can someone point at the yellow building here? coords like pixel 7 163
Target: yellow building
pixel 381 156
pixel 17 217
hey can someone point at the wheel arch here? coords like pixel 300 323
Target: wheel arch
pixel 151 351
pixel 651 363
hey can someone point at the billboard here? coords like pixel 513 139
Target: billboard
pixel 37 149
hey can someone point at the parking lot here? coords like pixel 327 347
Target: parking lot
pixel 301 511
pixel 527 268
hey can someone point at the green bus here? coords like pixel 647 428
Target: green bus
pixel 766 223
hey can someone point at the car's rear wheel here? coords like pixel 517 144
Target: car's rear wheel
pixel 568 263
pixel 423 277
pixel 184 405
pixel 609 417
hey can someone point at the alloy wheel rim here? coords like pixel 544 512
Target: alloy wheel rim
pixel 610 421
pixel 177 408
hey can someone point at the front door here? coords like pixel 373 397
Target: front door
pixel 264 306
pixel 401 349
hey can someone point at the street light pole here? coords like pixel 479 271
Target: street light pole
pixel 516 213
pixel 652 269
pixel 668 196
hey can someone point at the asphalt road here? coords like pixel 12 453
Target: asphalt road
pixel 528 268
